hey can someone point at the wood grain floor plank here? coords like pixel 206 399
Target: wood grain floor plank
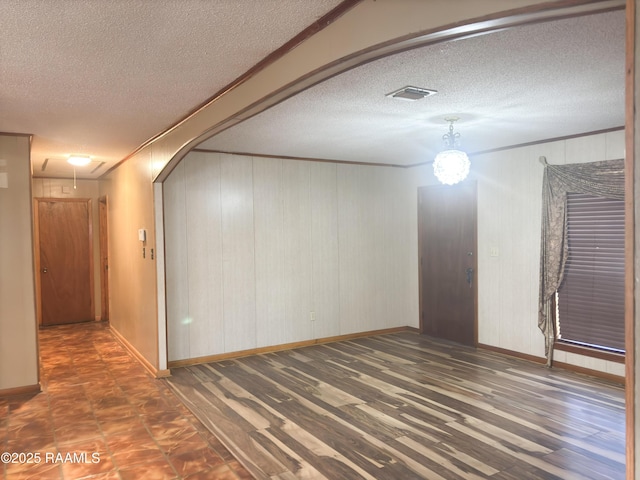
pixel 596 466
pixel 405 406
pixel 256 458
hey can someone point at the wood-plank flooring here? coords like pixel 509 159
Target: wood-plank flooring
pixel 404 406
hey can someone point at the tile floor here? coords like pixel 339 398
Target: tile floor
pixel 98 403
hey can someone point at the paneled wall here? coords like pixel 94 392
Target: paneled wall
pixel 262 252
pixel 509 219
pixel 254 245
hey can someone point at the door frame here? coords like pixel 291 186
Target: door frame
pixel 103 232
pixel 36 248
pixel 474 186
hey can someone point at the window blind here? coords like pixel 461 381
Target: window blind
pixel 591 296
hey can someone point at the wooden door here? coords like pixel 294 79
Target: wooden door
pixel 65 260
pixel 447 249
pixel 104 258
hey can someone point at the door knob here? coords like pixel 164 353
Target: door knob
pixel 44 270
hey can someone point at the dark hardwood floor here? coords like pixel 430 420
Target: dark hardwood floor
pixel 404 406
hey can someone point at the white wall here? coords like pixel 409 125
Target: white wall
pixel 18 347
pixel 254 245
pixel 509 219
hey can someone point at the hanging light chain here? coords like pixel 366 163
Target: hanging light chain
pixel 451 140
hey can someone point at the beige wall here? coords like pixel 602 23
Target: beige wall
pixel 63 188
pixel 132 278
pixel 18 344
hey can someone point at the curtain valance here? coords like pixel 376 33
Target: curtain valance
pixel 602 179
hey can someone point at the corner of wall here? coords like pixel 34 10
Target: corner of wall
pixel 18 335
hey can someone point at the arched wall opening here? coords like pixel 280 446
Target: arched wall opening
pixel 235 105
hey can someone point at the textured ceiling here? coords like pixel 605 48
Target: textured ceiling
pixel 101 77
pixel 509 87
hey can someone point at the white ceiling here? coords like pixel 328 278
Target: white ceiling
pixel 507 88
pixel 101 78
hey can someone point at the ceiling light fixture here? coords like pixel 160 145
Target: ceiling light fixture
pixel 451 165
pixel 79 160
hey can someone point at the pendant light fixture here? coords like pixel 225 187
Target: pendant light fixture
pixel 451 165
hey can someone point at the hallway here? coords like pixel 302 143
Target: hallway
pixel 101 416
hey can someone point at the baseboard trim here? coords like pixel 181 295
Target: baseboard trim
pixel 513 353
pixel 285 346
pixel 25 390
pixel 151 369
pixel 565 366
pixel 594 373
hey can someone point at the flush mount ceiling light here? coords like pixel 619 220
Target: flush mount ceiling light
pixel 79 160
pixel 451 165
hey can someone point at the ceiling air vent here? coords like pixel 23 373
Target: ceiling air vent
pixel 411 93
pixel 98 167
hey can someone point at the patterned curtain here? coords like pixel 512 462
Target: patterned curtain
pixel 602 179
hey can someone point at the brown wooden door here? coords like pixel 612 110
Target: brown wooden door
pixel 447 244
pixel 64 243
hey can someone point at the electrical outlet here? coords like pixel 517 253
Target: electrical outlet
pixel 493 252
pixel 312 315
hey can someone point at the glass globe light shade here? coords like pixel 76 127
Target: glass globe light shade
pixel 79 160
pixel 451 166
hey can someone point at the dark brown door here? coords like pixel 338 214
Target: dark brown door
pixel 447 244
pixel 104 258
pixel 64 241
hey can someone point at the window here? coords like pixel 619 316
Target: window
pixel 590 300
